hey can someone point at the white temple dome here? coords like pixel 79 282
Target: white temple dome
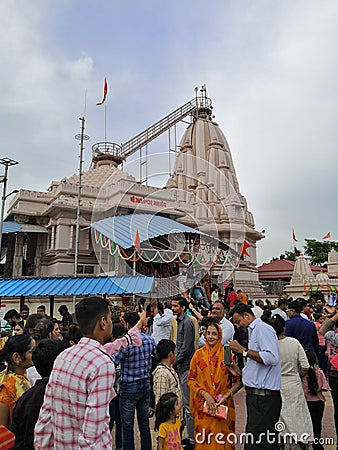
pixel 333 256
pixel 204 167
pixel 99 176
pixel 322 278
pixel 301 272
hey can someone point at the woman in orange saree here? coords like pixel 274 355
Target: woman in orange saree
pixel 209 382
pixel 17 353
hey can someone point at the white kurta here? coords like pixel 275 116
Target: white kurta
pixel 295 413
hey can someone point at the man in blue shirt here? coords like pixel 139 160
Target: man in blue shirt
pixel 261 378
pixel 135 363
pixel 301 329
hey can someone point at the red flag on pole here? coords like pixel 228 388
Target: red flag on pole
pixel 244 247
pixel 294 236
pixel 137 242
pixel 327 236
pixel 105 90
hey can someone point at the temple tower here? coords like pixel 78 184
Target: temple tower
pixel 204 169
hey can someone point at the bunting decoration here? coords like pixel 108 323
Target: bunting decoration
pixel 105 91
pixel 206 256
pixel 137 242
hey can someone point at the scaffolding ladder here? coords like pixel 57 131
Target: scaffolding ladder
pixel 137 142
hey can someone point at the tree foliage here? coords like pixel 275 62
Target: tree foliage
pixel 292 255
pixel 318 251
pixel 288 255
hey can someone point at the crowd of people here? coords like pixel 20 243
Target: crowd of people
pixel 72 384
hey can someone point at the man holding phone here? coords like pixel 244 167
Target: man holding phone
pixel 261 378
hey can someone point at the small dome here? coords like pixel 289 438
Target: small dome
pixel 322 278
pixel 100 175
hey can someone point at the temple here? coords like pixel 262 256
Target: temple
pixel 202 193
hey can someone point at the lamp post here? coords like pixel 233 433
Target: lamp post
pixel 3 179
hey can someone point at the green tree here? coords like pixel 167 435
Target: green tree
pixel 292 255
pixel 287 255
pixel 317 251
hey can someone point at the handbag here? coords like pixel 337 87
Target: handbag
pixel 222 411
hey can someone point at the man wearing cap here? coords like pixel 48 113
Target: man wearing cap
pixel 66 318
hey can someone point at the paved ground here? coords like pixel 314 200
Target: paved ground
pixel 328 424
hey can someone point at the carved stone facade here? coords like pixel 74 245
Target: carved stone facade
pixel 204 170
pixel 203 192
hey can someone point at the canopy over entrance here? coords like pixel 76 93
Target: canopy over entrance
pixel 157 239
pixel 122 229
pixel 152 244
pixel 69 286
pixel 15 227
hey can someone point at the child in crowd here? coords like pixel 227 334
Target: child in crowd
pixel 164 376
pixel 314 383
pixel 322 356
pixel 167 422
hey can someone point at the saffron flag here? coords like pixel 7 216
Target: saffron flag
pixel 294 236
pixel 105 90
pixel 244 247
pixel 327 236
pixel 137 242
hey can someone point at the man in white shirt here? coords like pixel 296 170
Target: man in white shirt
pixel 282 307
pixel 182 281
pixel 258 308
pixel 163 317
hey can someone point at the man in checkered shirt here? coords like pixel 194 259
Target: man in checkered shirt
pixel 74 414
pixel 135 387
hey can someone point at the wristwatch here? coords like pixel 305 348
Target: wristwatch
pixel 245 352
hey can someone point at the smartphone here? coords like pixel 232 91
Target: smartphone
pixel 332 300
pixel 227 355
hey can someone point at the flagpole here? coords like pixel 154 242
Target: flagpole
pixel 105 122
pixel 105 91
pixel 80 137
pixel 292 241
pixel 85 104
pixel 134 270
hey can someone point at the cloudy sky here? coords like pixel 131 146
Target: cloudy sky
pixel 270 68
